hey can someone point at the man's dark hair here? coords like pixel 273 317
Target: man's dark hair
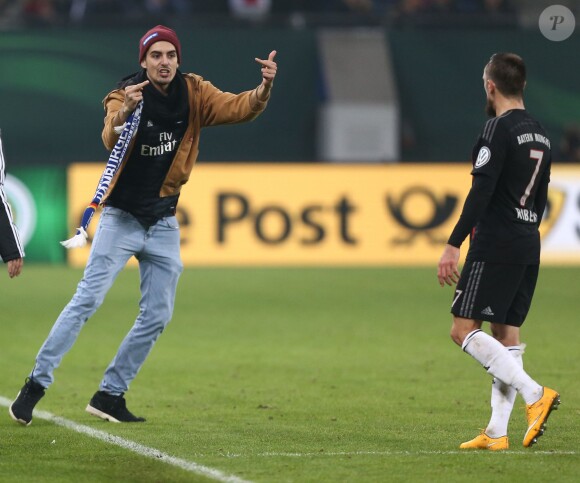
pixel 508 72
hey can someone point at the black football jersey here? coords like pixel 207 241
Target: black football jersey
pixel 138 186
pixel 511 172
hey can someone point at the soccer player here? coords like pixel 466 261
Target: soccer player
pixel 502 212
pixel 138 218
pixel 11 249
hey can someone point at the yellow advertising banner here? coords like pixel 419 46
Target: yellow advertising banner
pixel 302 214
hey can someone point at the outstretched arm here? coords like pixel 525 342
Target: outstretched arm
pixel 226 108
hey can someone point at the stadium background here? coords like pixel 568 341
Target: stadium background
pixel 383 87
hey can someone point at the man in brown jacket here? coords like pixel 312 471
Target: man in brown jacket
pixel 138 218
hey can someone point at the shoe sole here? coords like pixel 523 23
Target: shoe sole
pixel 483 448
pixel 479 448
pixel 542 429
pixel 100 414
pixel 18 420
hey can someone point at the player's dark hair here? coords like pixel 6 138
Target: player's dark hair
pixel 508 72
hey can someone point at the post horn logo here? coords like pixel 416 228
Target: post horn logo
pixel 411 213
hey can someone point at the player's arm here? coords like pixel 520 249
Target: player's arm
pixel 15 267
pixel 542 194
pixel 447 271
pixel 475 205
pixel 486 171
pixel 10 246
pixel 473 208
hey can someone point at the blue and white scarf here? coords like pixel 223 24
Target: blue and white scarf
pixel 115 161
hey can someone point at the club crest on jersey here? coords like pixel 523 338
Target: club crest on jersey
pixel 483 157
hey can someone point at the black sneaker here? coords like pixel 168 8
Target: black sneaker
pixel 111 408
pixel 28 397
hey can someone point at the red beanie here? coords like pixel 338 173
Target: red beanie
pixel 157 34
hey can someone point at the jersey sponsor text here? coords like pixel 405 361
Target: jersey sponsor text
pixel 167 145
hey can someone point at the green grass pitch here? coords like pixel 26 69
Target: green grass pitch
pixel 288 375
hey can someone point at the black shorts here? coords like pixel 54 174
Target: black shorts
pixel 499 293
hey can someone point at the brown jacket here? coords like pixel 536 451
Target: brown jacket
pixel 208 106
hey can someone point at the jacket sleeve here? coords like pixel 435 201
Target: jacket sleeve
pixel 218 107
pixel 113 104
pixel 10 246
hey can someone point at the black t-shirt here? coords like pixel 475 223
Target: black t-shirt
pixel 138 186
pixel 511 172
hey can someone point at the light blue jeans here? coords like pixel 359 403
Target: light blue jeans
pixel 119 236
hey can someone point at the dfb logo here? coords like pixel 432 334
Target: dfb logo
pixel 402 209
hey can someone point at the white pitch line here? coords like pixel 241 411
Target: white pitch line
pixel 385 453
pixel 405 453
pixel 140 449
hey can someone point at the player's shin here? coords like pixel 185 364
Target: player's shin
pixel 497 360
pixel 502 399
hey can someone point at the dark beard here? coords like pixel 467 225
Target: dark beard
pixel 489 109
